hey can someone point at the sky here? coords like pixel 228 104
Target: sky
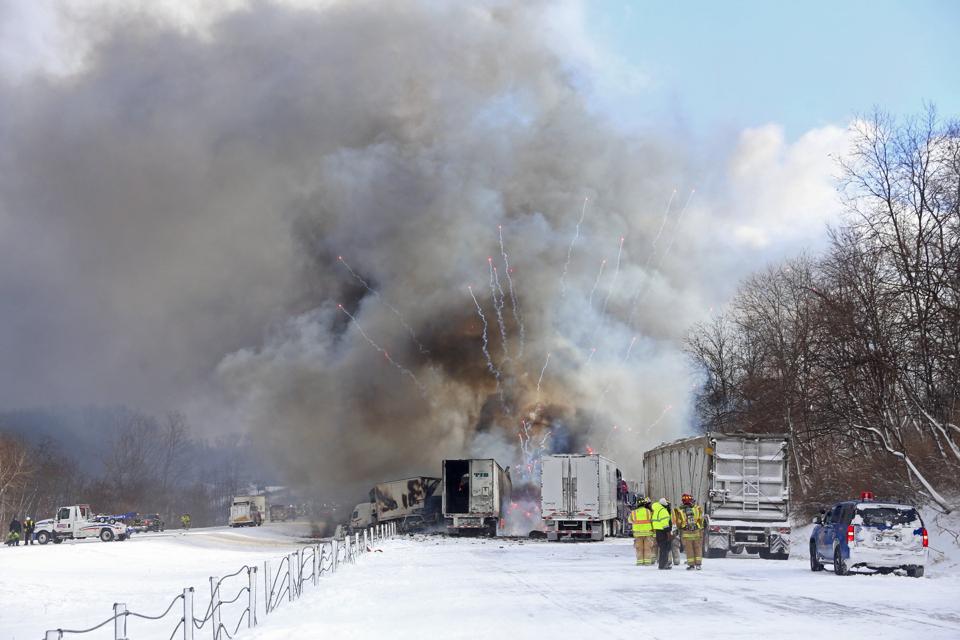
pixel 730 65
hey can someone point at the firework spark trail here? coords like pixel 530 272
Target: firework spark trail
pixel 663 222
pixel 613 283
pixel 593 350
pixel 576 236
pixel 484 345
pixel 498 305
pixel 542 371
pixel 596 282
pixel 403 370
pixel 517 315
pixel 659 419
pixel 379 297
pixel 676 230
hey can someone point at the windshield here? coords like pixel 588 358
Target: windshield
pixel 887 516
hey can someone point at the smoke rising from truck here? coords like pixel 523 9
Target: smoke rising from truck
pixel 278 223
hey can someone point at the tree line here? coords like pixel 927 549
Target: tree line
pixel 855 353
pixel 143 463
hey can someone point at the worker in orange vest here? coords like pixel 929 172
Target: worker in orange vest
pixel 641 521
pixel 690 524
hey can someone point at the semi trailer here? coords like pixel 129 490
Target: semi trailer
pixel 476 495
pixel 412 503
pixel 740 479
pixel 579 497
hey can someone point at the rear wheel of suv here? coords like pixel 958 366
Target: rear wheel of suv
pixel 815 564
pixel 915 572
pixel 839 565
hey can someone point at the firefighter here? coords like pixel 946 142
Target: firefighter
pixel 185 520
pixel 675 545
pixel 28 528
pixel 690 524
pixel 661 527
pixel 641 520
pixel 17 529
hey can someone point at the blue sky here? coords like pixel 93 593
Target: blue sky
pixel 710 65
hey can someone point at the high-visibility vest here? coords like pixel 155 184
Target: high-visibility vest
pixel 661 517
pixel 691 518
pixel 642 520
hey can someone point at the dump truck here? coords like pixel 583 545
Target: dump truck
pixel 740 479
pixel 248 511
pixel 579 497
pixel 476 495
pixel 411 503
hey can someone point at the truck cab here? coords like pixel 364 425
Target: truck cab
pixel 880 536
pixel 364 515
pixel 77 522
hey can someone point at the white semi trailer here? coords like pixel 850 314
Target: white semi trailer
pixel 740 479
pixel 578 497
pixel 476 495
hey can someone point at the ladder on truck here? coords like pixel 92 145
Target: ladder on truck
pixel 751 474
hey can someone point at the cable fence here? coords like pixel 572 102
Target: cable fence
pixel 235 600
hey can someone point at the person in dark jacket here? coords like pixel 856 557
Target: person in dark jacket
pixel 17 528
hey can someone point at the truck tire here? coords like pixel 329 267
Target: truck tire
pixel 716 553
pixel 915 572
pixel 57 539
pixel 815 564
pixel 839 564
pixel 106 535
pixel 43 537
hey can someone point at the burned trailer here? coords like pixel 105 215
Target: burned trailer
pixel 740 479
pixel 413 503
pixel 476 495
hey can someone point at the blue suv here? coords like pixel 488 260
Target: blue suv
pixel 881 536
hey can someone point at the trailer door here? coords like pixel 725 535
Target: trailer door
pixel 481 486
pixel 551 486
pixel 588 485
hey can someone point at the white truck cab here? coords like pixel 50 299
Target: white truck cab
pixel 364 515
pixel 77 522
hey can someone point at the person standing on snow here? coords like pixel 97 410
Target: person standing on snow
pixel 661 526
pixel 641 521
pixel 28 528
pixel 675 545
pixel 185 520
pixel 690 524
pixel 15 528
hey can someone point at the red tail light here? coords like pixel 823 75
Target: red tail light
pixel 714 529
pixel 926 539
pixel 850 533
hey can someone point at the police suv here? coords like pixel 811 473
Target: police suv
pixel 881 536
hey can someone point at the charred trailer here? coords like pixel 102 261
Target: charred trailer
pixel 740 479
pixel 476 495
pixel 579 497
pixel 412 503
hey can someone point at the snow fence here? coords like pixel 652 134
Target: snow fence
pixel 235 598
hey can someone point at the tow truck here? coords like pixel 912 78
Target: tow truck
pixel 77 522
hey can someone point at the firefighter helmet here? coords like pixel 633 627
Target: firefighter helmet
pixel 686 498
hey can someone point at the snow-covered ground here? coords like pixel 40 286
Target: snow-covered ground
pixel 435 587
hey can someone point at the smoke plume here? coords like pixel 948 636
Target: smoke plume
pixel 278 223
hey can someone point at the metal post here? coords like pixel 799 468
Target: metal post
pixel 215 607
pixel 290 586
pixel 188 613
pixel 317 564
pixel 267 587
pixel 53 634
pixel 119 621
pixel 252 597
pixel 335 560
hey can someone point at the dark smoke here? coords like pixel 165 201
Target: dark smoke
pixel 172 216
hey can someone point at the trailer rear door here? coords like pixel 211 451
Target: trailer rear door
pixel 586 500
pixel 481 486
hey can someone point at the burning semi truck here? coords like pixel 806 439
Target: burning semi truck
pixel 476 495
pixel 412 503
pixel 741 480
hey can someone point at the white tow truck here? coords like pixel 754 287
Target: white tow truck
pixel 78 522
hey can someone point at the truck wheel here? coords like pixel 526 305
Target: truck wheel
pixel 839 565
pixel 716 553
pixel 915 572
pixel 122 537
pixel 43 537
pixel 815 564
pixel 57 539
pixel 106 535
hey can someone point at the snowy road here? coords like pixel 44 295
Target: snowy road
pixel 474 588
pixel 434 587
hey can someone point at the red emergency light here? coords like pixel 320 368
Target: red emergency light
pixel 866 495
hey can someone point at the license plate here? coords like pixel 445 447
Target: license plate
pixel 753 538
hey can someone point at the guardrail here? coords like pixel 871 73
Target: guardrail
pixel 294 571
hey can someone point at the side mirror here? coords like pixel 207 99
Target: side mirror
pixel 817 520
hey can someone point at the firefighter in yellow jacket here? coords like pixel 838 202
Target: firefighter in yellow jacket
pixel 641 519
pixel 690 524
